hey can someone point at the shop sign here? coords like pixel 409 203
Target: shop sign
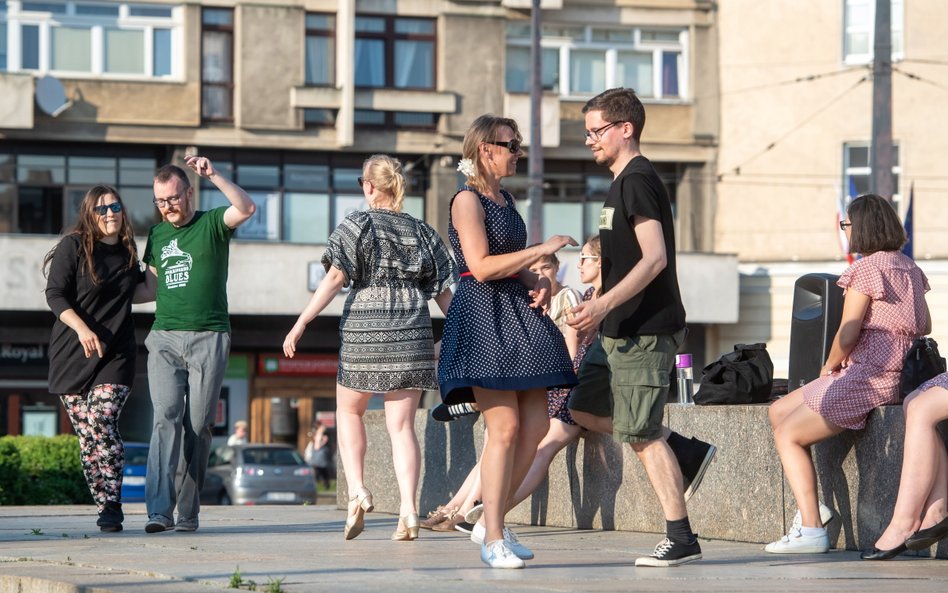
pixel 310 365
pixel 23 355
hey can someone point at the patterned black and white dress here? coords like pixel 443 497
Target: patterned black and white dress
pixel 492 337
pixel 395 264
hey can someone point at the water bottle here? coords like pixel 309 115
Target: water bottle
pixel 686 379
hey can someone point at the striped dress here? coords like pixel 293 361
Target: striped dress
pixel 394 264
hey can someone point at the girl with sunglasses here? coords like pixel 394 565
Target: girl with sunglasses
pixel 93 276
pixel 498 348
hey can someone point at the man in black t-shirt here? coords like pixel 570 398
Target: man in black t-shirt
pixel 641 321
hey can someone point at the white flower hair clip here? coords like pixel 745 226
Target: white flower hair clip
pixel 466 166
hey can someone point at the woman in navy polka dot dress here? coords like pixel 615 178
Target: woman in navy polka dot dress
pixel 498 348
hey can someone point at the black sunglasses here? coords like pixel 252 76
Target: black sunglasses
pixel 115 207
pixel 361 181
pixel 843 224
pixel 512 145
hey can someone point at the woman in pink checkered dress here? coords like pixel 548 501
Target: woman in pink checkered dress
pixel 883 312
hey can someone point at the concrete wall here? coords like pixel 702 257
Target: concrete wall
pixel 598 484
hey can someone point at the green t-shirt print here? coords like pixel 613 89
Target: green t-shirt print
pixel 192 272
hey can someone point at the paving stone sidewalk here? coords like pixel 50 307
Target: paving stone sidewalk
pixel 59 550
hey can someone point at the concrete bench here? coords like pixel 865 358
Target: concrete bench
pixel 597 484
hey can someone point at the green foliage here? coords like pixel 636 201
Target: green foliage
pixel 36 470
pixel 236 580
pixel 275 585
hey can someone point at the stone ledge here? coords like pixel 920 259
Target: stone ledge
pixel 597 484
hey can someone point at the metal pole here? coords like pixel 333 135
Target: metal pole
pixel 535 155
pixel 881 154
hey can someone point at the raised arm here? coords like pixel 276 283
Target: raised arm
pixel 327 289
pixel 467 215
pixel 241 206
pixel 648 231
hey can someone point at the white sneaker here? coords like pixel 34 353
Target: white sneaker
pixel 520 551
pixel 478 533
pixel 497 554
pixel 797 543
pixel 826 515
pixel 474 515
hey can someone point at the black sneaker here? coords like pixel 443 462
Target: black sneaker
pixel 445 413
pixel 464 527
pixel 669 553
pixel 111 517
pixel 694 461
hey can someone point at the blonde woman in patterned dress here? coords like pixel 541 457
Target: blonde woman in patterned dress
pixel 394 264
pixel 883 312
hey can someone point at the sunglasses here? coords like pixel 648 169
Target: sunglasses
pixel 361 181
pixel 115 207
pixel 512 145
pixel 843 224
pixel 585 257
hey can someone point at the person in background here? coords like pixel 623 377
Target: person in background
pixel 239 437
pixel 318 454
pixel 884 310
pixel 497 346
pixel 562 299
pixel 189 343
pixel 395 264
pixel 93 277
pixel 920 517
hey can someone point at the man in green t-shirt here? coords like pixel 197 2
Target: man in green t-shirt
pixel 189 342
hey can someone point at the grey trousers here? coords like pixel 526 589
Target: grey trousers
pixel 185 372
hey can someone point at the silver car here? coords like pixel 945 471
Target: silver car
pixel 260 474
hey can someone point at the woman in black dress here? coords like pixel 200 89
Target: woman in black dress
pixel 93 275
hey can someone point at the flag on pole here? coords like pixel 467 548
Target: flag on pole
pixel 842 204
pixel 909 223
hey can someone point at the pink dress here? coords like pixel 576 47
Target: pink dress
pixel 895 317
pixel 936 381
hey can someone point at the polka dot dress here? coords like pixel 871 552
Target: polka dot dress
pixel 492 338
pixel 895 317
pixel 936 381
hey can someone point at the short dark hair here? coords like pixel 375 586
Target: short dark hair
pixel 166 172
pixel 619 104
pixel 875 226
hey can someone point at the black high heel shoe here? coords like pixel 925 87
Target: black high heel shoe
pixel 877 554
pixel 925 538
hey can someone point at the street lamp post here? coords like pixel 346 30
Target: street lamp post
pixel 535 156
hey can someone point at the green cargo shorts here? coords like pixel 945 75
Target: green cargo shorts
pixel 628 379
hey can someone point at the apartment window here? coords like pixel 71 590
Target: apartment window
pixel 859 30
pixel 299 198
pixel 581 61
pixel 217 64
pixel 120 40
pixel 40 190
pixel 398 119
pixel 394 52
pixel 856 170
pixel 320 49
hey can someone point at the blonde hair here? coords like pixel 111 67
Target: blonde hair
pixel 484 129
pixel 595 245
pixel 385 173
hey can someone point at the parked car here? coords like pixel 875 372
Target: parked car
pixel 133 476
pixel 258 473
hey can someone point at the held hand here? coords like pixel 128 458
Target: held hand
pixel 586 317
pixel 289 343
pixel 90 342
pixel 555 243
pixel 200 165
pixel 541 293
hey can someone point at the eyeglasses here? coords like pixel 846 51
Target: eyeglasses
pixel 361 181
pixel 512 145
pixel 115 207
pixel 585 257
pixel 596 135
pixel 173 200
pixel 843 224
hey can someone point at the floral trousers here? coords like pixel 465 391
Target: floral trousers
pixel 95 416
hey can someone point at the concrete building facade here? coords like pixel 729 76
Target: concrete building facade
pixel 288 97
